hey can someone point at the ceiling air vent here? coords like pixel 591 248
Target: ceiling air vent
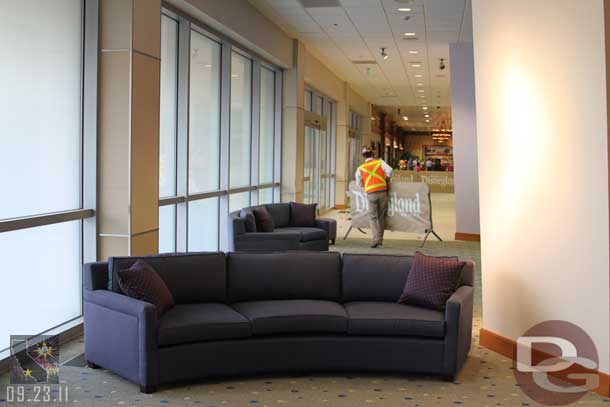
pixel 364 62
pixel 320 3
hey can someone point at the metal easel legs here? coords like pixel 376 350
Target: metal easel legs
pixel 350 229
pixel 428 232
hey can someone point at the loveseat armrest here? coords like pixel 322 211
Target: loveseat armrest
pixel 267 242
pixel 121 335
pixel 330 226
pixel 458 337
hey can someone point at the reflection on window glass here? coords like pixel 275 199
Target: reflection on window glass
pixel 204 114
pixel 169 107
pixel 167 229
pixel 53 272
pixel 241 117
pixel 308 96
pixel 265 196
pixel 267 126
pixel 239 201
pixel 40 106
pixel 203 225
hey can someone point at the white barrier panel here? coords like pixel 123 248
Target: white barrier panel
pixel 408 207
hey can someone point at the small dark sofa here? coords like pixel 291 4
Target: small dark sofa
pixel 285 237
pixel 247 313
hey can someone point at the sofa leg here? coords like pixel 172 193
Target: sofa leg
pixel 332 242
pixel 449 377
pixel 147 389
pixel 92 365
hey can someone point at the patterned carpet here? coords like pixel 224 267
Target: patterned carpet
pixel 486 380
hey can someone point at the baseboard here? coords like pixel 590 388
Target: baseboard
pixel 508 347
pixel 469 237
pixel 339 206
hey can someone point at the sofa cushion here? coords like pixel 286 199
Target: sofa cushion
pixel 248 216
pixel 142 282
pixel 306 234
pixel 202 322
pixel 190 277
pixel 431 281
pixel 302 214
pixel 264 220
pixel 294 316
pixel 392 319
pixel 284 276
pixel 374 277
pixel 280 212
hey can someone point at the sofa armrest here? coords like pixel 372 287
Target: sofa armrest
pixel 330 226
pixel 267 242
pixel 121 335
pixel 458 320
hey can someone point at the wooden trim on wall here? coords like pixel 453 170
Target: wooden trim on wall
pixel 508 347
pixel 340 206
pixel 469 237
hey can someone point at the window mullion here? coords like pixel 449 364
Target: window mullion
pixel 182 139
pixel 225 136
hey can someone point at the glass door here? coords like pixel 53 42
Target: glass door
pixel 315 157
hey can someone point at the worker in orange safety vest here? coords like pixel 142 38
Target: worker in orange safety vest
pixel 374 175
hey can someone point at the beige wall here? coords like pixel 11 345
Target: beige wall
pixel 128 127
pixel 541 89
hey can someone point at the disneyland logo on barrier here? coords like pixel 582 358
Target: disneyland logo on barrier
pixel 397 206
pixel 556 363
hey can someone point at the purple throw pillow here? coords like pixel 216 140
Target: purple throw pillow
pixel 263 219
pixel 431 281
pixel 302 214
pixel 141 281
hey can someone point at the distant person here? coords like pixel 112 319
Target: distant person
pixel 373 175
pixel 428 165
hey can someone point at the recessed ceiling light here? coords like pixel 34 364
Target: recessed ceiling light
pixel 404 9
pixel 413 52
pixel 427 121
pixel 415 65
pixel 419 76
pixel 426 115
pixel 420 84
pixel 410 34
pixel 405 118
pixel 421 91
pixel 425 107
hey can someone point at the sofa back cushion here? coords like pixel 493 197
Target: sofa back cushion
pixel 382 277
pixel 280 212
pixel 284 276
pixel 190 277
pixel 374 277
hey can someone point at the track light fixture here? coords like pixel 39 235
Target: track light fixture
pixel 384 54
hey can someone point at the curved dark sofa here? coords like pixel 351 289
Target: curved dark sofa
pixel 285 237
pixel 246 313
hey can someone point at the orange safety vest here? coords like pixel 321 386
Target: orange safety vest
pixel 373 176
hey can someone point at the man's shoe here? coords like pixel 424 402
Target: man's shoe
pixel 374 245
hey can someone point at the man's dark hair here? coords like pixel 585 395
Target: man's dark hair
pixel 367 153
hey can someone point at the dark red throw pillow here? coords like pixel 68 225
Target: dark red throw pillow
pixel 431 281
pixel 264 221
pixel 302 214
pixel 141 281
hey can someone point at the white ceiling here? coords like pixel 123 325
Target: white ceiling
pixel 356 30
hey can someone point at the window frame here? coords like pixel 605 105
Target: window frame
pixel 183 196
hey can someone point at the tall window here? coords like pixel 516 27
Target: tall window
pixel 220 135
pixel 42 152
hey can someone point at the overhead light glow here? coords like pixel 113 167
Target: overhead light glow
pixel 405 118
pixel 413 52
pixel 416 65
pixel 410 34
pixel 404 9
pixel 425 107
pixel 421 91
pixel 419 76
